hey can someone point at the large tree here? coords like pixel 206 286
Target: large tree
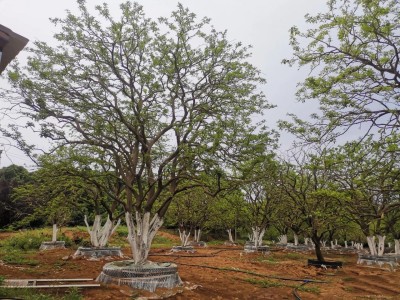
pixel 352 51
pixel 161 101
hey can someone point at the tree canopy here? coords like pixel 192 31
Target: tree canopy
pixel 352 52
pixel 162 99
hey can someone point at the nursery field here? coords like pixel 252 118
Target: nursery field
pixel 214 272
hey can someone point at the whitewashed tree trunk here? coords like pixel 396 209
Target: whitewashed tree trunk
pixel 197 234
pixel 258 234
pixel 230 236
pixel 345 244
pixel 335 242
pixel 54 236
pixel 296 239
pixel 184 237
pixel 332 245
pixel 381 245
pixel 323 243
pixel 397 247
pixel 282 239
pixel 306 240
pixel 372 245
pixel 141 233
pixel 99 236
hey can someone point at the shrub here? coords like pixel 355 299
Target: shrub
pixel 25 241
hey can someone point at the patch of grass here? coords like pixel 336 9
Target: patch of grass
pixel 25 241
pixel 18 258
pixel 348 279
pixel 295 256
pixel 270 283
pixel 349 289
pixel 71 294
pixel 59 264
pixel 264 283
pixel 215 243
pixel 309 289
pixel 162 241
pixel 67 240
pixel 266 259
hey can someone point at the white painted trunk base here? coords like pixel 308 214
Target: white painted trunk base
pixel 197 235
pixel 257 235
pixel 230 237
pixel 381 245
pixel 372 245
pixel 141 233
pixel 296 239
pixel 282 239
pixel 99 236
pixel 54 235
pixel 397 247
pixel 184 236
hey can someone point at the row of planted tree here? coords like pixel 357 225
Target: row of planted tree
pixel 144 117
pixel 336 194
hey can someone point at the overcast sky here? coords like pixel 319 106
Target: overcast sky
pixel 264 24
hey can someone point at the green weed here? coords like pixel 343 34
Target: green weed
pixel 20 293
pixel 264 283
pixel 294 256
pixel 270 283
pixel 349 279
pixel 24 241
pixel 267 259
pixel 309 289
pixel 18 258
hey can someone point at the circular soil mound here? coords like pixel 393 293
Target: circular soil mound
pixel 98 252
pixel 147 277
pixel 52 245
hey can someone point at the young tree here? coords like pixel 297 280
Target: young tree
pixel 352 51
pixel 191 210
pixel 162 101
pixel 229 213
pixel 262 195
pixel 312 195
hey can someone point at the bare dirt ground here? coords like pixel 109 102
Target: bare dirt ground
pixel 223 272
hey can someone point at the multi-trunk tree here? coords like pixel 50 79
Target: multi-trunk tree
pixel 190 211
pixel 61 190
pixel 312 194
pixel 262 194
pixel 161 101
